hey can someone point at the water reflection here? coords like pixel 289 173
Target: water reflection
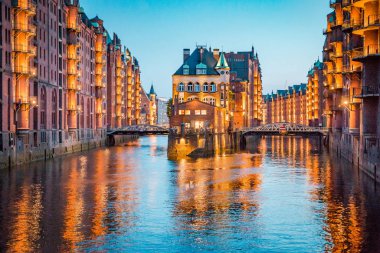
pixel 283 194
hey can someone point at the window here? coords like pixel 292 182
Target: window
pixel 181 87
pixel 43 108
pixel 204 112
pixel 187 112
pixel 181 100
pixel 192 98
pixel 213 87
pixel 190 87
pixel 205 87
pixel 212 101
pixel 181 112
pixel 186 69
pixel 197 87
pixel 197 112
pixel 54 110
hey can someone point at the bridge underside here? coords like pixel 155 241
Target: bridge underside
pixel 121 132
pixel 139 130
pixel 287 134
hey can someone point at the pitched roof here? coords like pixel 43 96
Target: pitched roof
pixel 199 55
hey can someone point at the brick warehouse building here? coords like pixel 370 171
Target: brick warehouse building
pixel 211 90
pixel 54 80
pixel 351 56
pixel 286 106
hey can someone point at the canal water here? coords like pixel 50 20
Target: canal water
pixel 284 196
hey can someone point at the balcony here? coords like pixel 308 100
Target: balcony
pixel 346 3
pixel 25 5
pixel 352 69
pixel 24 48
pixel 370 22
pixel 24 70
pixel 368 91
pixel 72 56
pixel 24 27
pixel 359 54
pixel 335 54
pixel 72 71
pixel 73 26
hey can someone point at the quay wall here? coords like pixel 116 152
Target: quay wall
pixel 17 156
pixel 362 151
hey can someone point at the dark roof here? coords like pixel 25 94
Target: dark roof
pixel 195 58
pixel 152 92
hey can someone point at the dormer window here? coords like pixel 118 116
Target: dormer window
pixel 186 69
pixel 201 69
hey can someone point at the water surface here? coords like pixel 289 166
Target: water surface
pixel 285 196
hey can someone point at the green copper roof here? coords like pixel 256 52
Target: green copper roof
pixel 201 66
pixel 222 63
pixel 151 92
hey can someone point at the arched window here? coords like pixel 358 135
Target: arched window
pixel 197 87
pixel 180 100
pixel 43 108
pixel 192 98
pixel 190 87
pixel 213 87
pixel 181 87
pixel 209 100
pixel 54 109
pixel 205 87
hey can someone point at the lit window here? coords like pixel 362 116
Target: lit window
pixel 204 112
pixel 187 112
pixel 197 112
pixel 181 112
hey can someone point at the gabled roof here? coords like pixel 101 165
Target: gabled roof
pixel 207 58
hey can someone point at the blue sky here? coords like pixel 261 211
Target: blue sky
pixel 287 34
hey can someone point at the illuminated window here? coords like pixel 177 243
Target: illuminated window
pixel 204 112
pixel 181 112
pixel 187 112
pixel 197 112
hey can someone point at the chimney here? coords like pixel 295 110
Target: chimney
pixel 186 54
pixel 215 52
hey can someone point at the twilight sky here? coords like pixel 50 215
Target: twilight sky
pixel 287 34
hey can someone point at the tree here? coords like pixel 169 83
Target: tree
pixel 169 107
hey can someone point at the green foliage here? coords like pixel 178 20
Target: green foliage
pixel 169 106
